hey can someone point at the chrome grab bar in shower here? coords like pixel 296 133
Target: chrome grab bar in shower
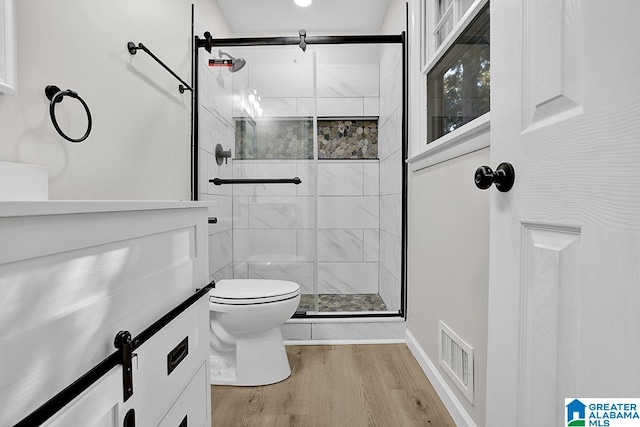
pixel 295 180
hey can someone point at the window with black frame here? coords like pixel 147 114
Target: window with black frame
pixel 458 85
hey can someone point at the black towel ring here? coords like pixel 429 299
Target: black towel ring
pixel 55 95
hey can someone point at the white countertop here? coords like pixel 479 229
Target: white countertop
pixel 59 207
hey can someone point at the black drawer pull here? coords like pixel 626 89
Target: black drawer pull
pixel 177 355
pixel 183 423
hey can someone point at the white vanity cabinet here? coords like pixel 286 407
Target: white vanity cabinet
pixel 74 274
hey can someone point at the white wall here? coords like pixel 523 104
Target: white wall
pixel 395 19
pixel 448 242
pixel 140 144
pixel 209 17
pixel 448 271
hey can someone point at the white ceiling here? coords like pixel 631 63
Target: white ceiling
pixel 285 18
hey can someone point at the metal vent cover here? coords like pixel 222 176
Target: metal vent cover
pixel 456 359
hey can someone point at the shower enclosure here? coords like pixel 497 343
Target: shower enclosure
pixel 320 136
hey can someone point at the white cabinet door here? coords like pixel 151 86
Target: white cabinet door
pixel 565 241
pixel 156 388
pixel 99 406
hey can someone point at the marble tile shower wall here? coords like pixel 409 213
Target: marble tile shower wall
pixel 287 91
pixel 390 154
pixel 274 225
pixel 215 126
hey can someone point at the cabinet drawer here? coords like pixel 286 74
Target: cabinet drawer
pixel 190 410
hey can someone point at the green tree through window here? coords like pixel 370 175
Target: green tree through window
pixel 458 86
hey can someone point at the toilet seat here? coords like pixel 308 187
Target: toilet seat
pixel 252 291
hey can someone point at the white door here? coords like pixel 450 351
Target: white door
pixel 564 293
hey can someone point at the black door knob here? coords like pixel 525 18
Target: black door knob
pixel 503 177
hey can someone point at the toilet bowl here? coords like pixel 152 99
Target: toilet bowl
pixel 245 315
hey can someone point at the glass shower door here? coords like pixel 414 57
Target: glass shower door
pixel 360 110
pixel 331 116
pixel 274 224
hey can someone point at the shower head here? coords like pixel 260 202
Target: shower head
pixel 236 63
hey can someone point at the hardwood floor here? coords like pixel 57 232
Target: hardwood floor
pixel 337 386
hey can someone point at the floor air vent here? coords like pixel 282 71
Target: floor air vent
pixel 456 358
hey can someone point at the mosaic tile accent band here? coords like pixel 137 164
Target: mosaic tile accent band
pixel 342 302
pixel 347 139
pixel 292 139
pixel 274 139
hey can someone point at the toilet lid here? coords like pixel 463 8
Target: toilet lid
pixel 252 291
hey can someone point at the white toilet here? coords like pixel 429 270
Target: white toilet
pixel 245 315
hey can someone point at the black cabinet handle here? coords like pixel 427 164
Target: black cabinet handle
pixel 503 177
pixel 177 355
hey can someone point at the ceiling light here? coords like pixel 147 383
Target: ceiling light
pixel 302 3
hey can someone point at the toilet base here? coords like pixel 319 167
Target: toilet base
pixel 258 359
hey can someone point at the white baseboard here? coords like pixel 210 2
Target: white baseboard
pixel 449 399
pixel 343 342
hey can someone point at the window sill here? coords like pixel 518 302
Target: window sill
pixel 471 137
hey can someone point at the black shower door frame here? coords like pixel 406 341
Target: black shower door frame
pixel 210 43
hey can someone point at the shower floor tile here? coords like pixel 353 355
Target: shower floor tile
pixel 342 302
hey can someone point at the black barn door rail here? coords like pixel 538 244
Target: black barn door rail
pixel 209 42
pixel 126 345
pixel 219 181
